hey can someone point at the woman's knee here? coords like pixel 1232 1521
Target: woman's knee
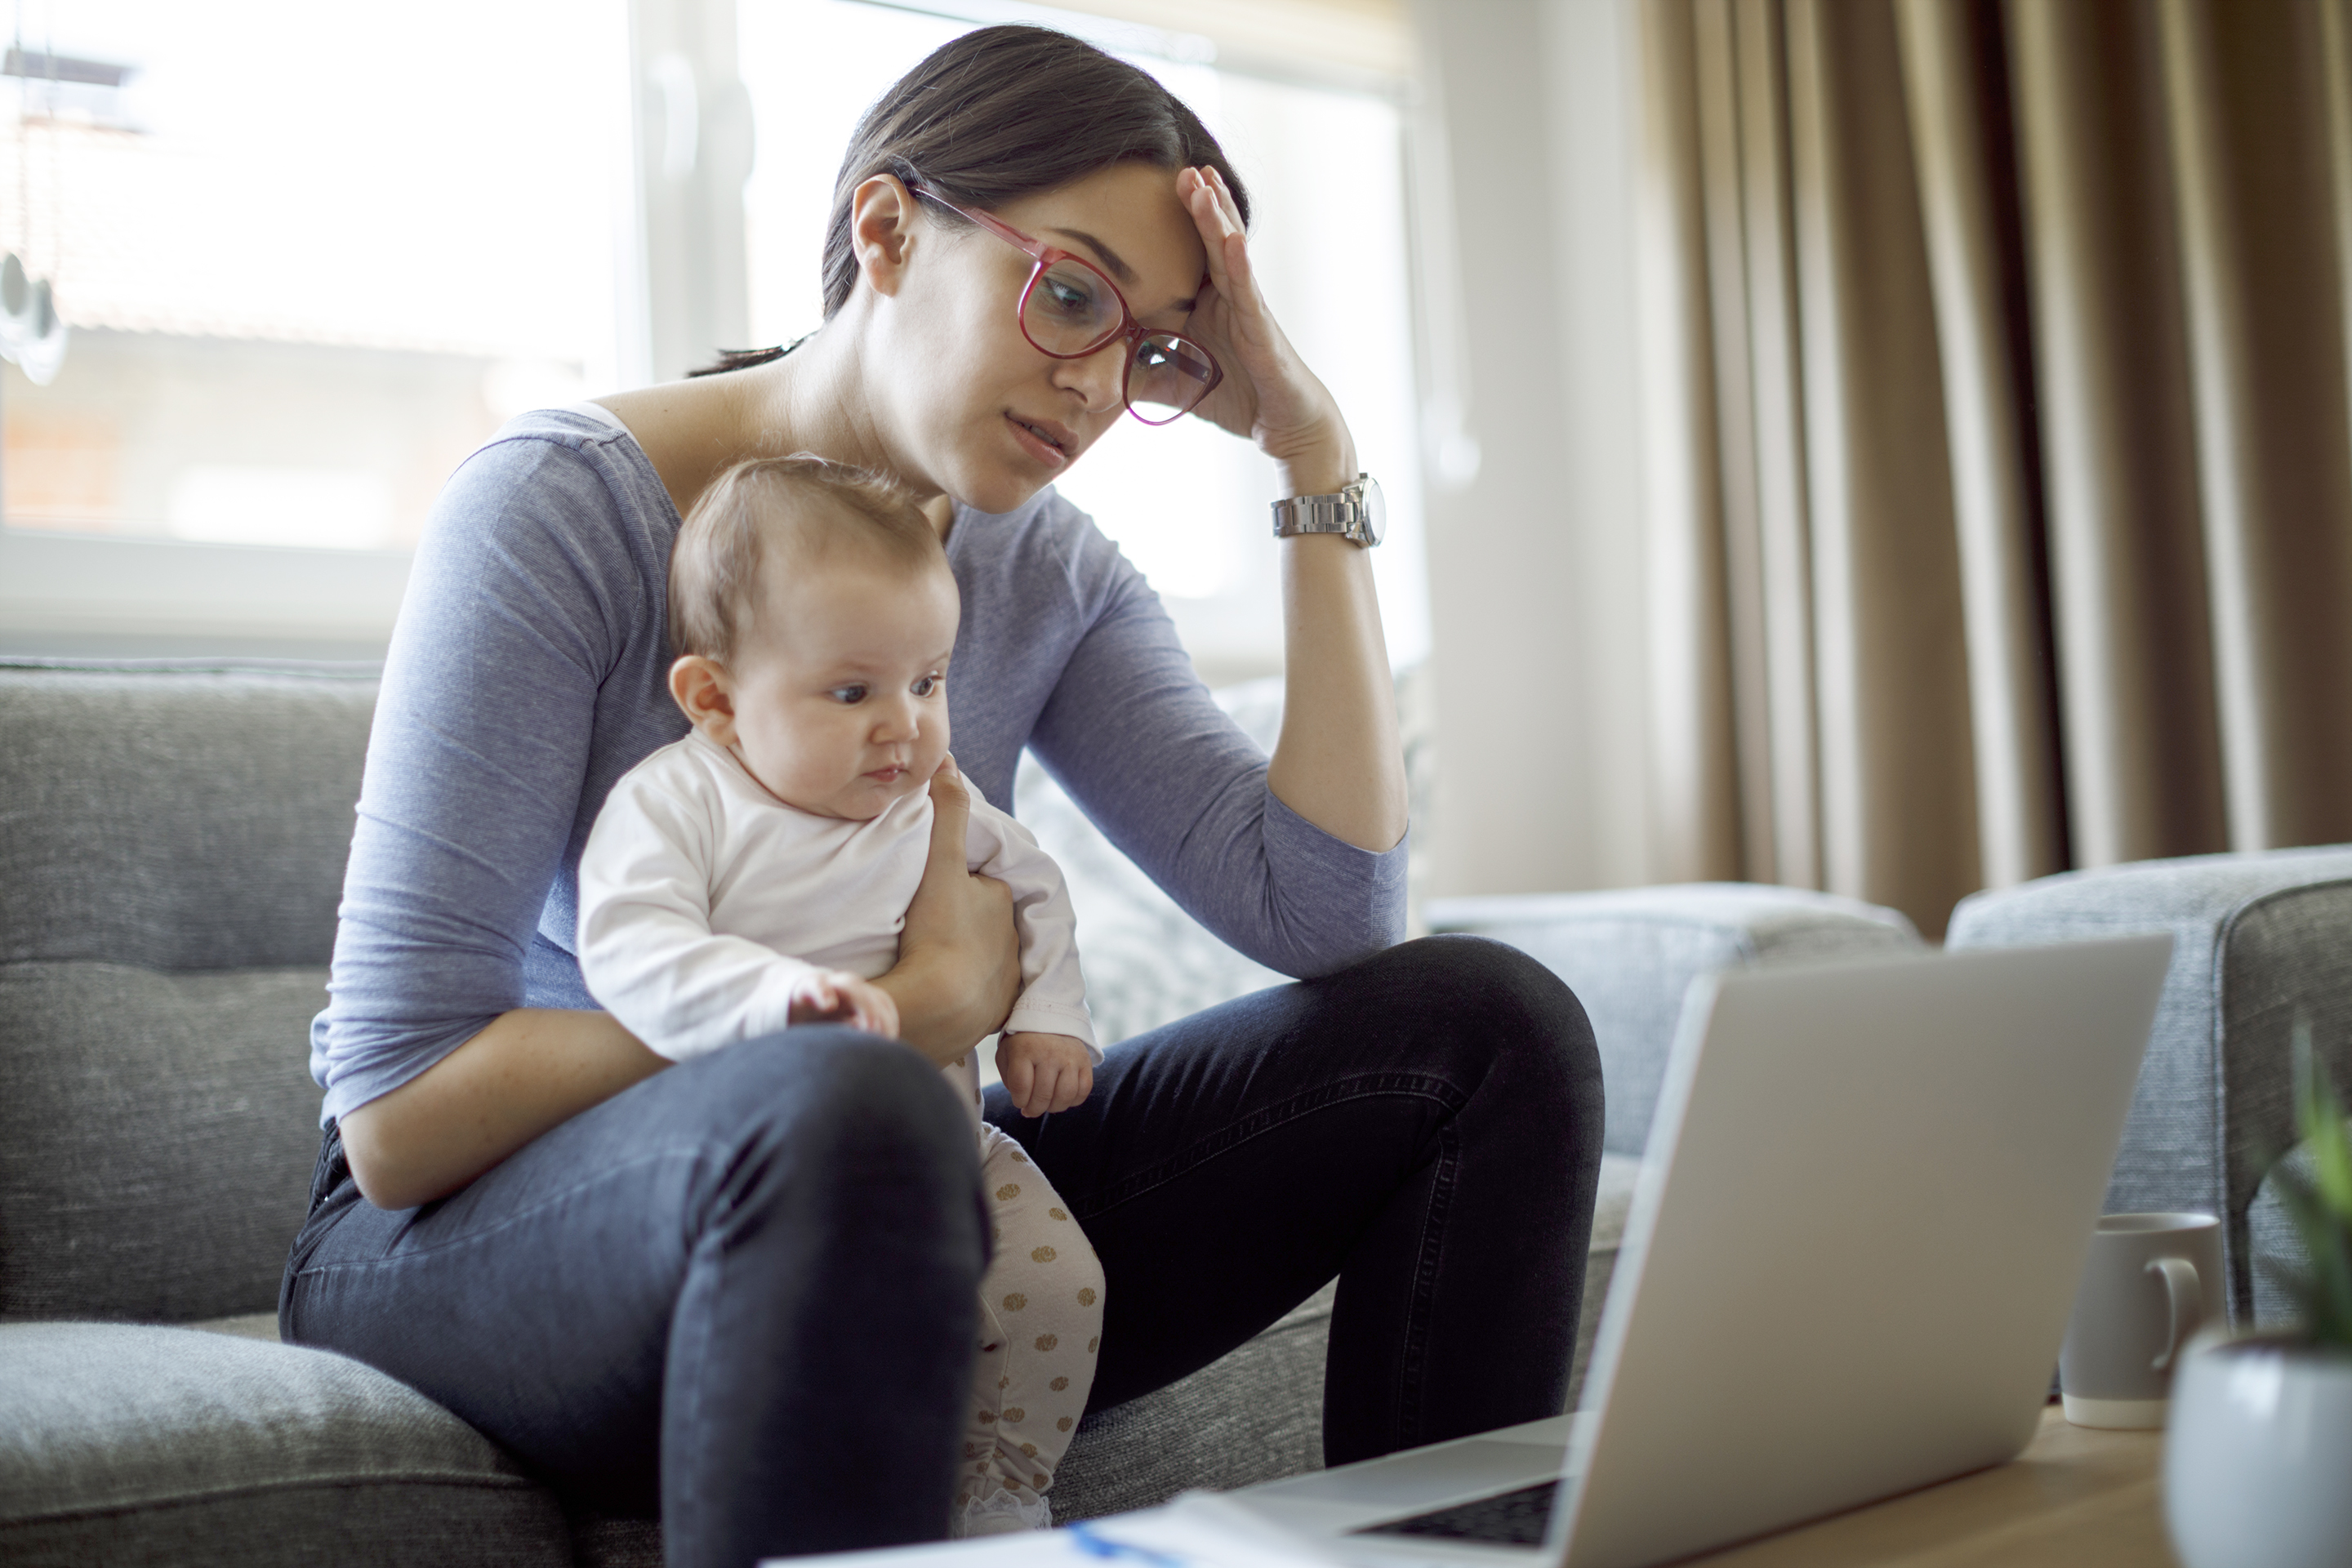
pixel 1501 1010
pixel 1478 978
pixel 836 1107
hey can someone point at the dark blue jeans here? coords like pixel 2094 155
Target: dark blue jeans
pixel 742 1291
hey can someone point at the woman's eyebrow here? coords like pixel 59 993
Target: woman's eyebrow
pixel 1119 268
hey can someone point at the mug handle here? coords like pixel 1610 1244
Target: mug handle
pixel 2185 1294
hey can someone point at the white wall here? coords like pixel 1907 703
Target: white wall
pixel 1521 170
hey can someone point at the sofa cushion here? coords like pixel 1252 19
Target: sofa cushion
pixel 1613 1201
pixel 156 1138
pixel 176 818
pixel 1631 955
pixel 135 1444
pixel 2257 939
pixel 1256 1415
pixel 614 1541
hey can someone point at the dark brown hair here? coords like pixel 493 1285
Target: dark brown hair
pixel 803 505
pixel 999 114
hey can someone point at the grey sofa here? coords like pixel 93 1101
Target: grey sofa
pixel 2259 939
pixel 1631 955
pixel 172 840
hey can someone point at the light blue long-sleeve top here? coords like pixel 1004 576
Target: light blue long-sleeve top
pixel 529 671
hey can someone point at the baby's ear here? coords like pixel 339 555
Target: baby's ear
pixel 699 686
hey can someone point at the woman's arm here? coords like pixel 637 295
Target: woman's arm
pixel 1146 752
pixel 528 589
pixel 533 1069
pixel 1338 762
pixel 1298 863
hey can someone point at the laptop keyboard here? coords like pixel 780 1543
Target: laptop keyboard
pixel 1515 1519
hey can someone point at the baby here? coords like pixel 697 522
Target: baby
pixel 755 875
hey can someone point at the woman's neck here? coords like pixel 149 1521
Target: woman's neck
pixel 814 400
pixel 818 402
pixel 811 400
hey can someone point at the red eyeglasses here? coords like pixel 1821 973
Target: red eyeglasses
pixel 1069 309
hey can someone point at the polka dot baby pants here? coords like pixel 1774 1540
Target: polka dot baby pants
pixel 1041 1315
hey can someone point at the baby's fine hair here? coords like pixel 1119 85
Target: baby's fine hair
pixel 796 509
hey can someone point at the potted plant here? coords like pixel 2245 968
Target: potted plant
pixel 2258 1462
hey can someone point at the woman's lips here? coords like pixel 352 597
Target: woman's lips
pixel 1045 452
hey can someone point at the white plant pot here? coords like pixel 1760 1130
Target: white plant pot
pixel 2258 1460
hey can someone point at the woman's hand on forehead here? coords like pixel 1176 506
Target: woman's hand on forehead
pixel 1268 393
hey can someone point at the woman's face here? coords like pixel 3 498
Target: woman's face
pixel 975 409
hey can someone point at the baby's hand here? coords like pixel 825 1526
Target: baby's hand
pixel 837 997
pixel 1043 1072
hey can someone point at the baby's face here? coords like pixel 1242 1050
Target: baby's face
pixel 840 687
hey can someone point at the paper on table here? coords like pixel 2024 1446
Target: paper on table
pixel 1198 1530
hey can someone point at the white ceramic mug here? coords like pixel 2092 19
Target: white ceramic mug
pixel 2150 1281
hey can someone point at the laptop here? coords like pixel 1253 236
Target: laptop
pixel 1851 1255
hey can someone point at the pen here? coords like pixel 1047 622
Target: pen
pixel 1094 1545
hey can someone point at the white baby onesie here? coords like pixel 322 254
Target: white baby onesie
pixel 704 899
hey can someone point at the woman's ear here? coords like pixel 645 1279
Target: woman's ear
pixel 700 688
pixel 882 219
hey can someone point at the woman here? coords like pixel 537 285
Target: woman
pixel 740 1289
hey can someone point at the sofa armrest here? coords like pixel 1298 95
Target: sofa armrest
pixel 2257 939
pixel 1631 955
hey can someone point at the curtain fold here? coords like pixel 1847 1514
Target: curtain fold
pixel 2264 300
pixel 2006 506
pixel 1959 101
pixel 1693 766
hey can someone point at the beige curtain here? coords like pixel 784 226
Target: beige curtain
pixel 2001 443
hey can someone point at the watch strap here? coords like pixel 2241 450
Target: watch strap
pixel 1340 512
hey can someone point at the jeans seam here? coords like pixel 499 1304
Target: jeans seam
pixel 1260 1123
pixel 1424 1287
pixel 692 1420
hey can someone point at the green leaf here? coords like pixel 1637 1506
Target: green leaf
pixel 2321 1118
pixel 2319 1203
pixel 2325 1284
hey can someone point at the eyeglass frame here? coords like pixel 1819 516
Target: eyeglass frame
pixel 1046 256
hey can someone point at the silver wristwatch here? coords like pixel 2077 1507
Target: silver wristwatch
pixel 1358 513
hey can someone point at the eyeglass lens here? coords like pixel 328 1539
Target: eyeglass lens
pixel 1072 310
pixel 1166 377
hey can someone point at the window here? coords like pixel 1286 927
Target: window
pixel 311 256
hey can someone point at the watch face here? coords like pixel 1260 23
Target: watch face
pixel 1376 511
